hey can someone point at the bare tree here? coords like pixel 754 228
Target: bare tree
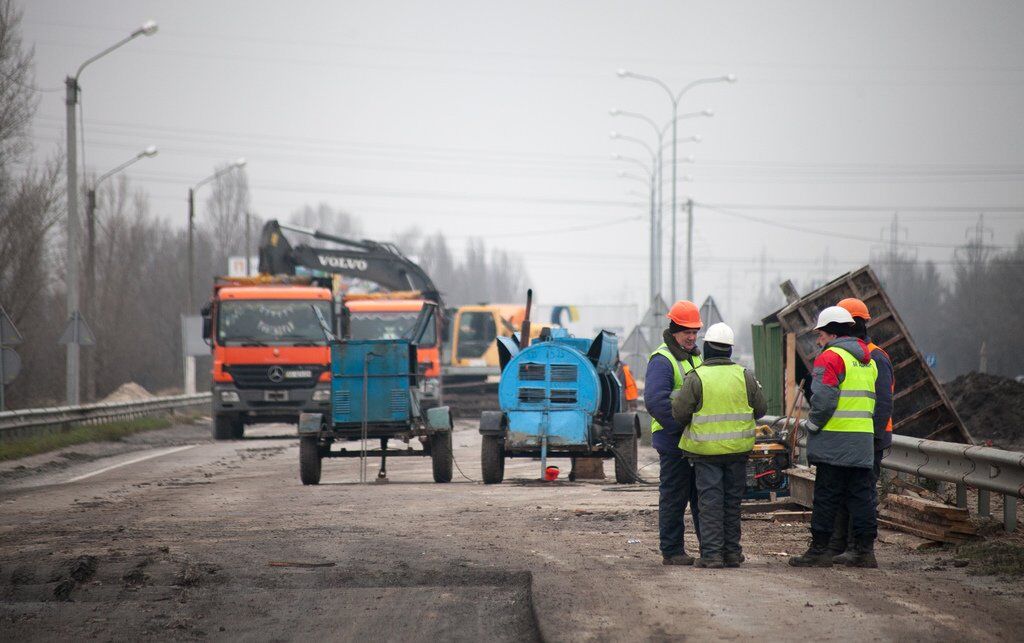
pixel 18 99
pixel 226 208
pixel 331 220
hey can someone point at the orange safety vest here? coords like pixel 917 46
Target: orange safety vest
pixel 630 384
pixel 872 346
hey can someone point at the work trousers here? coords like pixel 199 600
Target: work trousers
pixel 720 487
pixel 849 487
pixel 676 489
pixel 843 533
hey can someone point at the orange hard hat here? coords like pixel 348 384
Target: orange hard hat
pixel 855 307
pixel 686 314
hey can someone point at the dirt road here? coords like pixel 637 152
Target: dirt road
pixel 170 535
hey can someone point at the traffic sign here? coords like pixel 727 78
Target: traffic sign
pixel 9 335
pixel 10 365
pixel 77 332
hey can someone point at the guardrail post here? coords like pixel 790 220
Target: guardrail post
pixel 961 495
pixel 984 503
pixel 1009 512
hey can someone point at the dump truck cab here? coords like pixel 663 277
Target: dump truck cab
pixel 371 317
pixel 270 356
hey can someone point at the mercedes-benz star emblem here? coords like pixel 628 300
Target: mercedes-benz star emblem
pixel 275 374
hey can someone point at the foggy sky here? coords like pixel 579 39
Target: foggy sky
pixel 491 119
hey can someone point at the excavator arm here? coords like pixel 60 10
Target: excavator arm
pixel 381 263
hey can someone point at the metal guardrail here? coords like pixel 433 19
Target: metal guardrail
pixel 31 422
pixel 986 469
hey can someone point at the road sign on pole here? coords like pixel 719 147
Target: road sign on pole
pixel 9 335
pixel 77 332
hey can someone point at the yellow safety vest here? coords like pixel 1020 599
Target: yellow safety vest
pixel 856 406
pixel 725 422
pixel 679 369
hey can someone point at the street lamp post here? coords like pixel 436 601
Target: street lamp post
pixel 74 316
pixel 90 256
pixel 675 98
pixel 659 133
pixel 239 163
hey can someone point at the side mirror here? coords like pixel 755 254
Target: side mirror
pixel 207 324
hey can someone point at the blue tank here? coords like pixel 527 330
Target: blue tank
pixel 561 396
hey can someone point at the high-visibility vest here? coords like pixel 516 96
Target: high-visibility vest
pixel 871 347
pixel 679 369
pixel 725 422
pixel 856 405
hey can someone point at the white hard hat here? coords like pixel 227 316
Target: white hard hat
pixel 833 314
pixel 720 334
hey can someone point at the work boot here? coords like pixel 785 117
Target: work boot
pixel 677 559
pixel 843 558
pixel 709 562
pixel 863 554
pixel 732 559
pixel 817 555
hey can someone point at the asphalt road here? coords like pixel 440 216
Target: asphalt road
pixel 170 535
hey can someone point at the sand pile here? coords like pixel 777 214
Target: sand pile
pixel 129 392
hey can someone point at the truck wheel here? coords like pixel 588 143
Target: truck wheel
pixel 309 459
pixel 237 428
pixel 625 461
pixel 224 427
pixel 492 458
pixel 441 455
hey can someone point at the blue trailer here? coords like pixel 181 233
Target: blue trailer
pixel 560 397
pixel 375 396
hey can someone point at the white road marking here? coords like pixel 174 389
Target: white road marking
pixel 133 461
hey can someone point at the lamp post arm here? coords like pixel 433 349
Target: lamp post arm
pixel 702 81
pixel 656 81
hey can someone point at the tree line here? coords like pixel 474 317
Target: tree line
pixel 141 259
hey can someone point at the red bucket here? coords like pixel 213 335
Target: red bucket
pixel 551 473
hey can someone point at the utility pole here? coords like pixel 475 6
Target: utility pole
pixel 90 288
pixel 191 251
pixel 73 348
pixel 248 215
pixel 689 249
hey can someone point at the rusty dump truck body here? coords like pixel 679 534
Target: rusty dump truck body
pixel 921 408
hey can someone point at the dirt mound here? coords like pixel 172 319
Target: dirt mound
pixel 991 406
pixel 128 392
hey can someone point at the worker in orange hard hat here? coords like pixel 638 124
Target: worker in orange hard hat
pixel 885 386
pixel 677 356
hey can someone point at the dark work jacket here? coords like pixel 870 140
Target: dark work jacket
pixel 657 389
pixel 883 399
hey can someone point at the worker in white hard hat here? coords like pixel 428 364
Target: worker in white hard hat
pixel 840 440
pixel 716 406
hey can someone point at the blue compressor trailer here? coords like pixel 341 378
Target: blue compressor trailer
pixel 375 396
pixel 560 397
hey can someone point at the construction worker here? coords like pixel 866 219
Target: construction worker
pixel 677 356
pixel 885 386
pixel 717 406
pixel 840 440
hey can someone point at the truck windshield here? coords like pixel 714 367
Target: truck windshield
pixel 267 321
pixel 388 325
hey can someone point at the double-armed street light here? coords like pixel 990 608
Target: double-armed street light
pixel 90 254
pixel 238 163
pixel 675 97
pixel 74 315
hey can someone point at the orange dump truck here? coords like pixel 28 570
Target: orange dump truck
pixel 392 316
pixel 271 360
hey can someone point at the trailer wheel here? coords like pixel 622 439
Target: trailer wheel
pixel 309 459
pixel 224 427
pixel 625 460
pixel 441 455
pixel 492 458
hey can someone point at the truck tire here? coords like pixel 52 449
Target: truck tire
pixel 224 427
pixel 309 459
pixel 625 460
pixel 237 428
pixel 492 458
pixel 441 455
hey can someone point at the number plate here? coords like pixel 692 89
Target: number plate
pixel 298 374
pixel 275 396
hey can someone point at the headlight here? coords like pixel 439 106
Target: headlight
pixel 321 395
pixel 228 396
